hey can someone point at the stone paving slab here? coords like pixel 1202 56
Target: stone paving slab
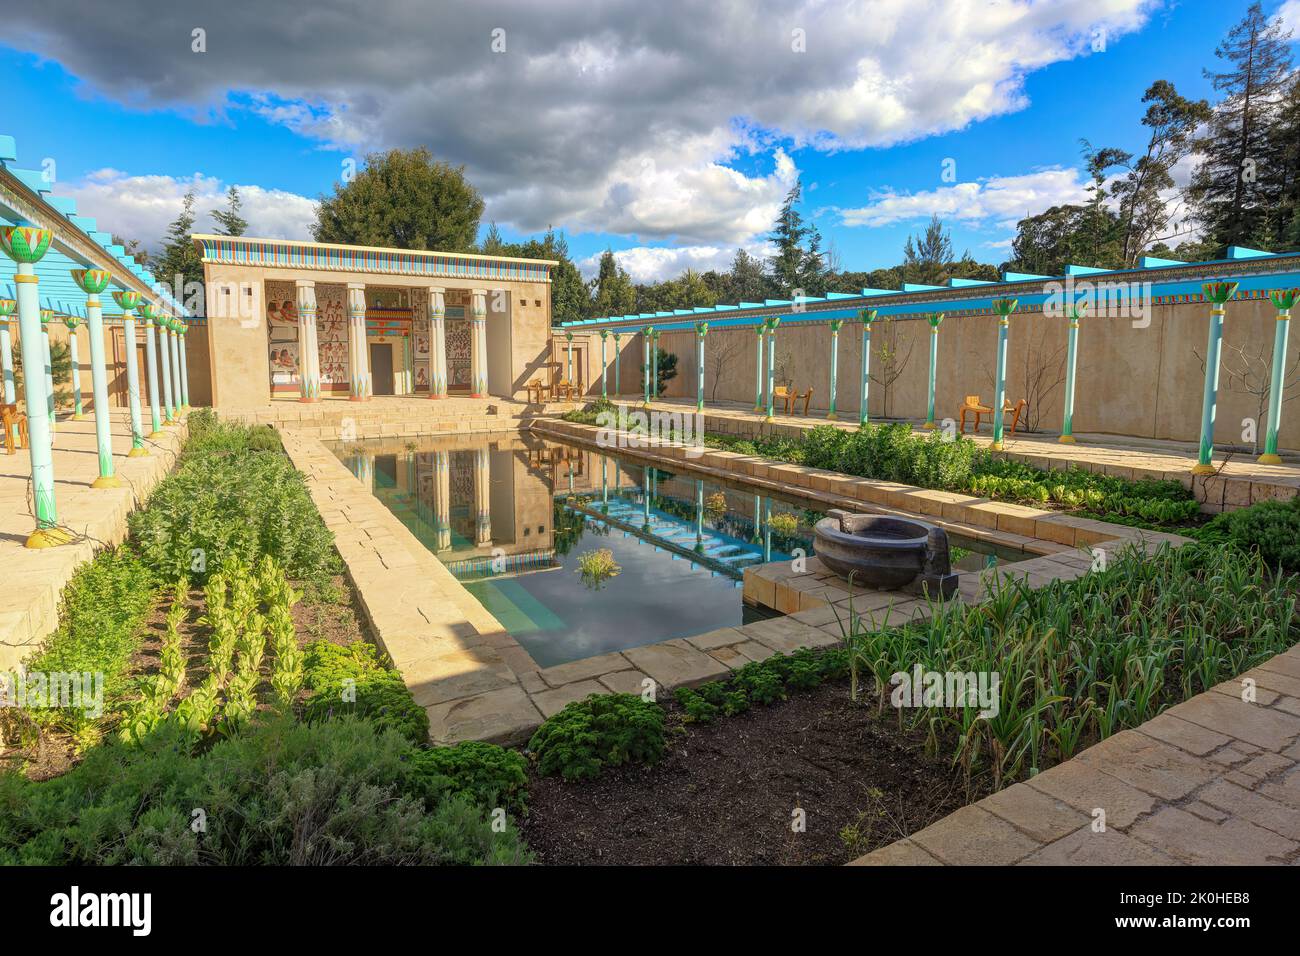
pixel 97 517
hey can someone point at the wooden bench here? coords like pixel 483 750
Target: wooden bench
pixel 14 421
pixel 971 405
pixel 788 396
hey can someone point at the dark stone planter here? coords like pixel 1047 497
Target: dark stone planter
pixel 887 553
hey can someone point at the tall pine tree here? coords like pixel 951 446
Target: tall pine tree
pixel 1241 179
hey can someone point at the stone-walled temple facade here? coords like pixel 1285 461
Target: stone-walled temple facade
pixel 314 320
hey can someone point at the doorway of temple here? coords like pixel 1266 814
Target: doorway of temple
pixel 381 368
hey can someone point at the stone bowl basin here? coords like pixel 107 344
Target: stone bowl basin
pixel 874 550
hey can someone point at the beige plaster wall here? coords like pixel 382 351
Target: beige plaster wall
pixel 1144 380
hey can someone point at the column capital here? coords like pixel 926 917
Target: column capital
pixel 356 285
pixel 304 283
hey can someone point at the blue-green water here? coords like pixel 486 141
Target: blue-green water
pixel 512 517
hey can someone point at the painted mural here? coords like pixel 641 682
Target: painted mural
pixel 282 335
pixel 458 340
pixel 332 337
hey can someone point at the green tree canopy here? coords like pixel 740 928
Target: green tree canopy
pixel 229 221
pixel 178 256
pixel 403 199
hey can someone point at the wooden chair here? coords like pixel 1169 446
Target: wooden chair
pixel 565 391
pixel 536 387
pixel 12 419
pixel 788 397
pixel 972 405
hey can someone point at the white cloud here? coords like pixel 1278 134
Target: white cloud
pixel 1289 14
pixel 142 207
pixel 619 116
pixel 998 200
pixel 656 263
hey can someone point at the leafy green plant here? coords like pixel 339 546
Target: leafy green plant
pixel 487 775
pixel 282 793
pixel 603 730
pixel 247 504
pixel 1270 528
pixel 352 680
pixel 597 567
pixel 1078 661
pixel 761 682
pixel 103 611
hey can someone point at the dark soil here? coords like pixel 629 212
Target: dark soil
pixel 726 792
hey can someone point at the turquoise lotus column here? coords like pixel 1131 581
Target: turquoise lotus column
pixel 150 314
pixel 654 352
pixel 93 282
pixel 701 330
pixel 618 363
pixel 175 345
pixel 26 245
pixel 182 328
pixel 568 355
pixel 47 316
pixel 1217 294
pixel 935 321
pixel 647 335
pixel 836 324
pixel 74 360
pixel 1283 300
pixel 772 323
pixel 7 308
pixel 645 498
pixel 761 329
pixel 604 364
pixel 128 302
pixel 1004 308
pixel 165 368
pixel 1071 361
pixel 866 317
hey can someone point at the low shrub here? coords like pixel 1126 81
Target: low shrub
pixel 104 608
pixel 485 774
pixel 604 730
pixel 281 794
pixel 351 680
pixel 588 414
pixel 1271 528
pixel 245 503
pixel 894 452
pixel 761 682
pixel 209 435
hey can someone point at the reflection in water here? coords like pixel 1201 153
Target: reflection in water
pixel 512 517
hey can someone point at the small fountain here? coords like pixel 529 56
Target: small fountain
pixel 887 553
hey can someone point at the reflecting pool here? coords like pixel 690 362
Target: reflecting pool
pixel 519 519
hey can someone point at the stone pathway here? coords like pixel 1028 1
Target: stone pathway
pixel 1240 481
pixel 34 579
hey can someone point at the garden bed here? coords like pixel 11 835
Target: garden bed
pixel 725 792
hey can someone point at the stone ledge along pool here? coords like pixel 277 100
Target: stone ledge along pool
pixel 522 522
